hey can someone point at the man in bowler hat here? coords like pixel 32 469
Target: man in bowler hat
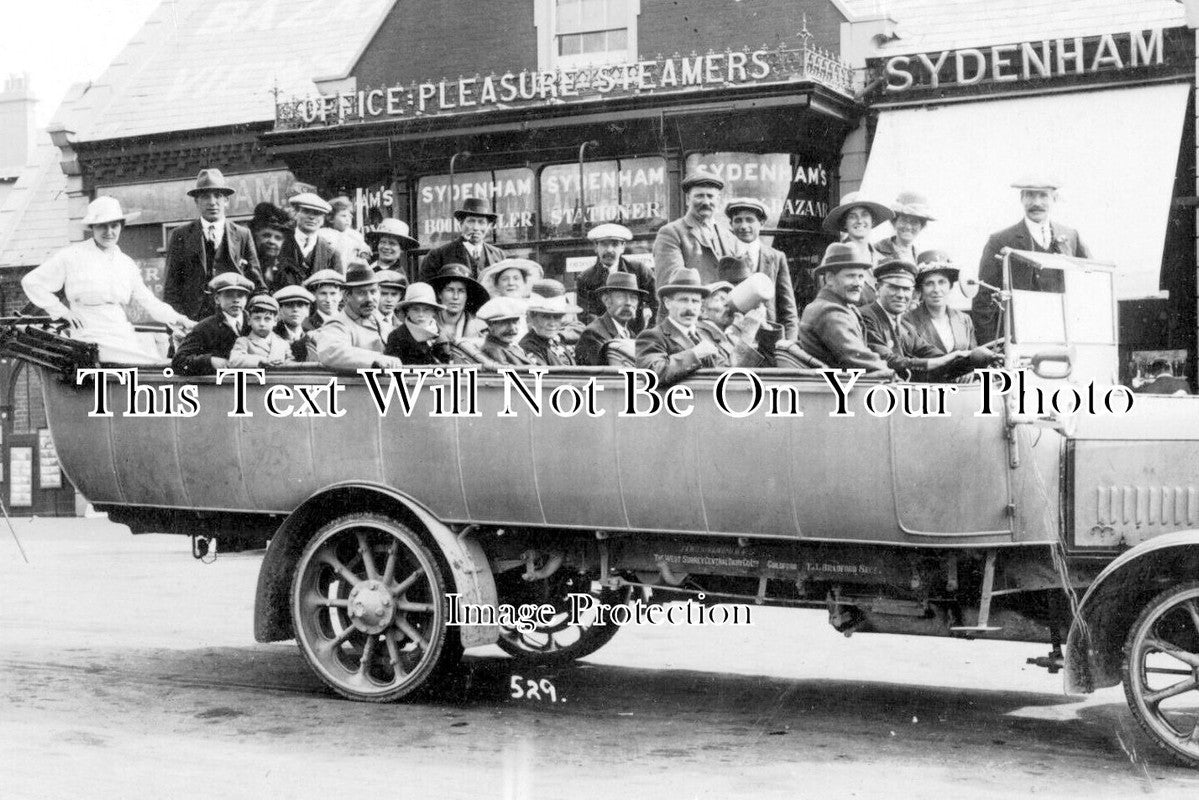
pixel 831 327
pixel 206 247
pixel 476 221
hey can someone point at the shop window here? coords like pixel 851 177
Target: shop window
pixel 794 188
pixel 581 33
pixel 28 410
pixel 630 191
pixel 509 190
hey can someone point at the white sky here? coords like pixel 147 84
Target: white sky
pixel 61 42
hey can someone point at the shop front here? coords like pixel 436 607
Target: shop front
pixel 1109 117
pixel 613 148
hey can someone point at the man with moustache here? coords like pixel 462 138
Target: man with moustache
pixel 610 241
pixel 206 247
pixel 206 348
pixel 695 240
pixel 621 296
pixel 500 347
pixel 1036 232
pixel 476 220
pixel 355 338
pixel 831 328
pixel 680 345
pixel 896 340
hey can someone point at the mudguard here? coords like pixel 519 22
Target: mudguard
pixel 470 572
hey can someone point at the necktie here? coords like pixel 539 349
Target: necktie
pixel 693 336
pixel 211 234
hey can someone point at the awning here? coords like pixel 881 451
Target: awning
pixel 1114 150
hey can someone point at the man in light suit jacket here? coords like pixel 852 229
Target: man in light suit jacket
pixel 682 344
pixel 746 217
pixel 1035 232
pixel 476 221
pixel 204 248
pixel 355 338
pixel 695 240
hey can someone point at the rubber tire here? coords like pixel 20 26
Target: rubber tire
pixel 591 640
pixel 1168 597
pixel 446 646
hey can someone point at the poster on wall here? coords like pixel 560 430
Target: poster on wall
pixel 49 471
pixel 20 476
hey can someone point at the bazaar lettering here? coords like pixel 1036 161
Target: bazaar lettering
pixel 1026 61
pixel 465 94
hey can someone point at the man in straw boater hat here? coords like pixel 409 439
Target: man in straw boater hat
pixel 354 339
pixel 207 247
pixel 746 218
pixel 206 348
pixel 391 240
pixel 547 312
pixel 621 296
pixel 610 241
pixel 680 344
pixel 893 337
pixel 831 328
pixel 476 221
pixel 305 251
pixel 696 240
pixel 1036 232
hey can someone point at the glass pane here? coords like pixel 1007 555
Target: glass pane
pixel 1038 317
pixel 509 190
pixel 594 42
pixel 794 187
pixel 632 192
pixel 570 44
pixel 1089 307
pixel 568 15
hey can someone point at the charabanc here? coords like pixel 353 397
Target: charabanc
pixel 1055 515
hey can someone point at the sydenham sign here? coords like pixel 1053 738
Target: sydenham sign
pixel 1028 61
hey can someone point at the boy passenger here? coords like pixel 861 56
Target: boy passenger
pixel 261 346
pixel 391 291
pixel 294 305
pixel 206 348
pixel 327 288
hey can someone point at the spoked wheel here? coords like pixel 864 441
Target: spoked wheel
pixel 563 640
pixel 368 603
pixel 1161 671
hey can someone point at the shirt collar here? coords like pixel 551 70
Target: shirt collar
pixel 232 322
pixel 1036 229
pixel 686 331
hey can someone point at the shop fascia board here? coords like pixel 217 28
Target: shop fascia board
pixel 810 97
pixel 1040 91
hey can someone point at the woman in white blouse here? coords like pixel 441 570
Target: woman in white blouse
pixel 945 328
pixel 99 281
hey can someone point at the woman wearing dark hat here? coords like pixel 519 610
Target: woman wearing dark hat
pixel 99 281
pixel 912 214
pixel 462 297
pixel 945 328
pixel 853 221
pixel 271 226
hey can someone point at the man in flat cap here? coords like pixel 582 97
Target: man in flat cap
pixel 260 346
pixel 207 247
pixel 476 221
pixel 746 218
pixel 610 241
pixel 831 328
pixel 304 251
pixel 682 344
pixel 695 240
pixel 1036 232
pixel 206 348
pixel 328 289
pixel 893 337
pixel 355 338
pixel 392 286
pixel 622 296
pixel 503 316
pixel 295 303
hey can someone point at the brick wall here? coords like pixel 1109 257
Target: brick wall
pixel 424 40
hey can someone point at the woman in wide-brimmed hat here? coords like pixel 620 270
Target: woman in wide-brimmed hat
pixel 462 296
pixel 391 239
pixel 854 219
pixel 912 214
pixel 99 281
pixel 945 328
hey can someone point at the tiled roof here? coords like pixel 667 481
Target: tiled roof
pixel 210 63
pixel 33 218
pixel 926 25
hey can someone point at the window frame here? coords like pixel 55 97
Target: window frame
pixel 546 22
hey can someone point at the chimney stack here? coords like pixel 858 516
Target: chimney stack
pixel 18 129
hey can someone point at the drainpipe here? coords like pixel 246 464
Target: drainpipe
pixel 582 192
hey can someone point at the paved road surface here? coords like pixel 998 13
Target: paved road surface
pixel 127 669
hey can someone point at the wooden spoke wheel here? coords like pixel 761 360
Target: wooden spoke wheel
pixel 1161 671
pixel 563 640
pixel 368 604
